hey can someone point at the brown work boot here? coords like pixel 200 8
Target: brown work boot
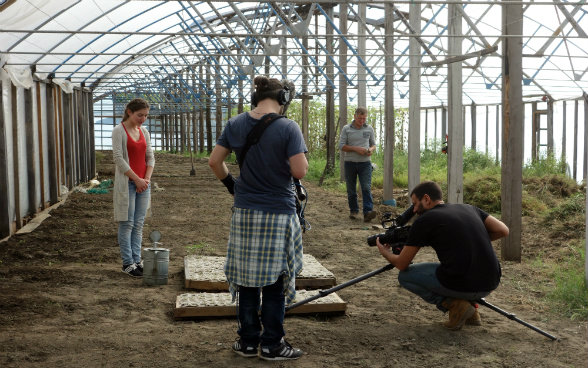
pixel 475 319
pixel 459 311
pixel 369 216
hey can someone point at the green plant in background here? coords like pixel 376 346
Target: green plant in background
pixel 571 292
pixel 198 248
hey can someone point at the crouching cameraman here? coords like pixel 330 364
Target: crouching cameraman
pixel 461 236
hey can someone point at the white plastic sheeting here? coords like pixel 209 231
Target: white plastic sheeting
pixel 114 45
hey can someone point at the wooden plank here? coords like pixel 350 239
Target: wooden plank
pixel 207 273
pixel 202 305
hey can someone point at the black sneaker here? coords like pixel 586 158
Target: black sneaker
pixel 244 350
pixel 139 266
pixel 132 270
pixel 284 351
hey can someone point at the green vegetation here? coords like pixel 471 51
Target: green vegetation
pixel 198 248
pixel 570 296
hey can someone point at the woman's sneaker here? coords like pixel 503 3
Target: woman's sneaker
pixel 132 270
pixel 283 351
pixel 244 350
pixel 140 266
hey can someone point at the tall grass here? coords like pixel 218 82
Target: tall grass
pixel 571 292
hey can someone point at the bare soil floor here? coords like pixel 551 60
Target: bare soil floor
pixel 64 301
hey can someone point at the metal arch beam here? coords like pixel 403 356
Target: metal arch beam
pixel 97 37
pixel 280 14
pixel 559 29
pixel 147 51
pixel 41 25
pixel 380 46
pixel 225 47
pixel 132 57
pixel 571 19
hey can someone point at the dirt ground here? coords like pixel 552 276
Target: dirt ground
pixel 64 301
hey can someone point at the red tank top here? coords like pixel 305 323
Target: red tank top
pixel 136 151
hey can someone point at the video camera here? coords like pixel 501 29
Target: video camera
pixel 397 231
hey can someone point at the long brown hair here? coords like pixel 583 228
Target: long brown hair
pixel 135 105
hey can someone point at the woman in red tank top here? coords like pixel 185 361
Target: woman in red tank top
pixel 134 162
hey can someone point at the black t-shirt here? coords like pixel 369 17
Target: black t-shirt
pixel 458 235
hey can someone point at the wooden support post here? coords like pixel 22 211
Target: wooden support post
pixel 414 102
pixel 52 147
pixel 361 50
pixel 343 95
pixel 15 157
pixel 209 142
pixel 218 117
pixel 473 117
pixel 305 78
pixel 68 141
pixel 30 152
pixel 5 221
pixel 183 133
pixel 563 133
pixel 41 146
pixel 575 159
pixel 497 147
pixel 201 107
pixel 487 127
pixel 513 127
pixel 91 140
pixel 330 97
pixel 585 95
pixel 389 104
pixel 549 127
pixel 455 110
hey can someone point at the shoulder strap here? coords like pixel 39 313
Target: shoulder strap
pixel 256 133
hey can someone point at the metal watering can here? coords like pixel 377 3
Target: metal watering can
pixel 155 262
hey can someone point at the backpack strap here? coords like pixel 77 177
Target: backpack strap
pixel 255 134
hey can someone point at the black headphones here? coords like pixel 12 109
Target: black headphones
pixel 283 96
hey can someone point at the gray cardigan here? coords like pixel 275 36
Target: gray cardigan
pixel 121 163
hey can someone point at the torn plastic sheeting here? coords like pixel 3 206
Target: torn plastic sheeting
pixel 20 77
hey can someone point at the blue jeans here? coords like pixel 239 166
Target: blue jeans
pixel 272 315
pixel 363 170
pixel 130 232
pixel 421 279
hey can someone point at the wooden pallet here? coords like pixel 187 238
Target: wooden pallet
pixel 206 273
pixel 204 305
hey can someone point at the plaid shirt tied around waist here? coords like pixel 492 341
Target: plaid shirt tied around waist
pixel 262 246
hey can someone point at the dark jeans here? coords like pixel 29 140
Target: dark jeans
pixel 363 170
pixel 421 279
pixel 272 314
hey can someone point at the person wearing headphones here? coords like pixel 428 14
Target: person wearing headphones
pixel 264 251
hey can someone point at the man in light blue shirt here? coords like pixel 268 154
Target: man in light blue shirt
pixel 357 143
